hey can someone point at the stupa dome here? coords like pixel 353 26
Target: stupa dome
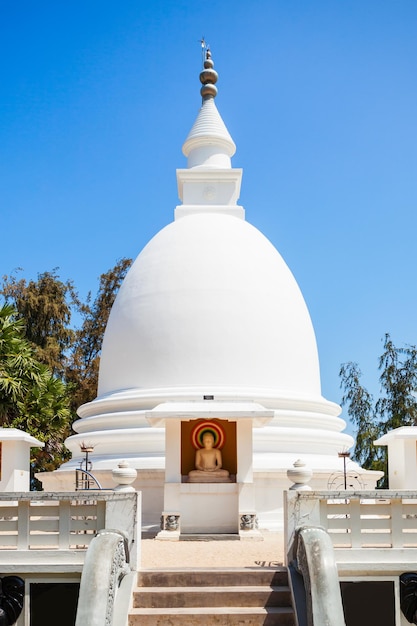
pixel 209 303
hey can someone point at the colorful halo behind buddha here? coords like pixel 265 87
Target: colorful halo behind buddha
pixel 201 428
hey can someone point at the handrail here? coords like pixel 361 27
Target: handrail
pixel 83 482
pixel 106 564
pixel 312 556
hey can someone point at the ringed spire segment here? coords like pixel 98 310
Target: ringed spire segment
pixel 209 143
pixel 208 78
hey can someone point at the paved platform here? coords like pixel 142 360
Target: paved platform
pixel 226 553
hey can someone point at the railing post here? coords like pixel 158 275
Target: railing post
pixel 300 509
pixel 64 508
pixel 397 538
pixel 23 525
pixel 355 522
pixel 125 514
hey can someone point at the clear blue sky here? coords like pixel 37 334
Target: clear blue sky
pixel 320 98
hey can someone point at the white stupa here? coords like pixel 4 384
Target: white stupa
pixel 210 323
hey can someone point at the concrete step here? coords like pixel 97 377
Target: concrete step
pixel 216 577
pixel 206 537
pixel 187 597
pixel 219 616
pixel 226 597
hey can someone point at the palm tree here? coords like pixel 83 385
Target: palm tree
pixel 31 398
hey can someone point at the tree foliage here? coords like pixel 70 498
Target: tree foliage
pixel 360 409
pixel 31 397
pixel 83 362
pixel 397 405
pixel 46 306
pixel 48 366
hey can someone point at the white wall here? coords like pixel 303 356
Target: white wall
pixel 15 466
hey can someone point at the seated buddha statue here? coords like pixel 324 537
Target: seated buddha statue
pixel 208 464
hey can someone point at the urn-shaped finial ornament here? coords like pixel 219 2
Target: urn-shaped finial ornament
pixel 123 475
pixel 300 475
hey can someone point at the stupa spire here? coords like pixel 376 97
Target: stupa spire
pixel 209 143
pixel 209 184
pixel 208 77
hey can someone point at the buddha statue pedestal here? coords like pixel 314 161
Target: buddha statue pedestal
pixel 217 476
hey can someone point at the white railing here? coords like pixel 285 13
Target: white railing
pixel 359 524
pixel 57 528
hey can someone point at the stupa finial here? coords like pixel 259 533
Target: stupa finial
pixel 209 143
pixel 208 76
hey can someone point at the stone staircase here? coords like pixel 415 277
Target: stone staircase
pixel 225 597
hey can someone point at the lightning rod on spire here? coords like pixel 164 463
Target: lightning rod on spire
pixel 204 48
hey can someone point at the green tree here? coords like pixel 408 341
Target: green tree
pixel 31 398
pixel 360 408
pixel 397 405
pixel 46 305
pixel 84 359
pixel 59 363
